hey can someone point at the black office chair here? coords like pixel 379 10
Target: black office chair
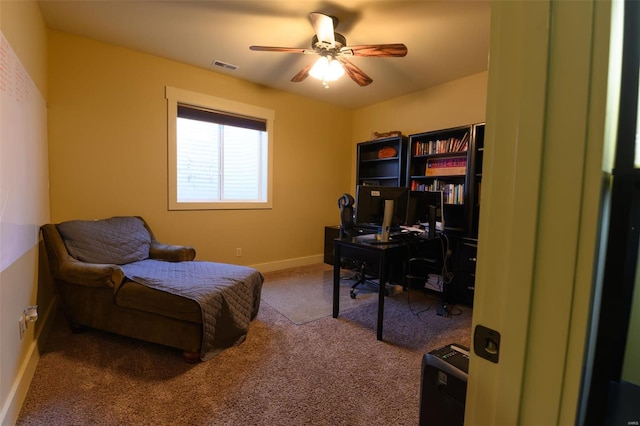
pixel 348 229
pixel 347 224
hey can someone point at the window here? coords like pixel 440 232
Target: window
pixel 220 153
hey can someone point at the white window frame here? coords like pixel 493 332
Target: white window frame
pixel 175 96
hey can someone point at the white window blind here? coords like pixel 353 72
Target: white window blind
pixel 198 148
pixel 218 158
pixel 242 164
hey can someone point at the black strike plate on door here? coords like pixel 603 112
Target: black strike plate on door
pixel 486 343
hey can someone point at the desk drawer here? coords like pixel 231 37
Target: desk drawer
pixel 465 270
pixel 465 287
pixel 468 257
pixel 467 281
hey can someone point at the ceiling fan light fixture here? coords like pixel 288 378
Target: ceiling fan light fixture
pixel 330 45
pixel 326 69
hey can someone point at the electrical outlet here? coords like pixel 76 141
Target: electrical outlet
pixel 238 252
pixel 22 326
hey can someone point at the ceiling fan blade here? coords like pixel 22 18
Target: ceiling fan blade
pixel 323 26
pixel 380 50
pixel 280 49
pixel 355 73
pixel 302 75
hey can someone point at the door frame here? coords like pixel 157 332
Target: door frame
pixel 544 176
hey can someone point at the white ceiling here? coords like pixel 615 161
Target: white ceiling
pixel 446 40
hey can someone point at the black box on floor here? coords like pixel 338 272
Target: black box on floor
pixel 443 386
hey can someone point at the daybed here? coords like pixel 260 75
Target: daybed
pixel 113 275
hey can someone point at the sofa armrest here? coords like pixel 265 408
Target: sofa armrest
pixel 171 252
pixel 168 252
pixel 91 274
pixel 65 267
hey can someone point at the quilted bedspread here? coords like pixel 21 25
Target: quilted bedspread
pixel 228 295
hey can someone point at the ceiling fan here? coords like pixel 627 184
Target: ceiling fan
pixel 333 50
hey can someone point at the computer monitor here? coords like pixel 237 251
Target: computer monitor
pixel 370 202
pixel 426 208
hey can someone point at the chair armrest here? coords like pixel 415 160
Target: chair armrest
pixel 91 274
pixel 171 252
pixel 168 252
pixel 65 267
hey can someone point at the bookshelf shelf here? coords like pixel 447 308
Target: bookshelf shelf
pixel 439 161
pixel 443 154
pixel 381 160
pixel 437 176
pixel 456 169
pixel 390 170
pixel 450 160
pixel 382 178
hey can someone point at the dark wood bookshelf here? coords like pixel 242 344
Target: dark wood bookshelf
pixel 386 171
pixel 403 161
pixel 462 209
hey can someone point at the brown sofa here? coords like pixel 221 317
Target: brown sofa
pixel 113 275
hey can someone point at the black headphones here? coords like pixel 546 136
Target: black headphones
pixel 346 201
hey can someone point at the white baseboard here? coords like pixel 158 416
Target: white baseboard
pixel 18 392
pixel 289 263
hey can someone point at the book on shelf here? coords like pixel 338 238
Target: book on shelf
pixel 442 146
pixel 451 193
pixel 418 186
pixel 446 166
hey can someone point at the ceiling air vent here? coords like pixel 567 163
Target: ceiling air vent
pixel 224 65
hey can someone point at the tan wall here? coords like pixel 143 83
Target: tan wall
pixel 23 26
pixel 108 154
pixel 452 104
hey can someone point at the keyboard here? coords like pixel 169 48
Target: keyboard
pixel 396 238
pixel 382 243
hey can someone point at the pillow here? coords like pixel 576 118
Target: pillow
pixel 118 240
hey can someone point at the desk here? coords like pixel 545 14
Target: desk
pixel 382 255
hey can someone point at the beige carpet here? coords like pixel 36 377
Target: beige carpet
pixel 311 298
pixel 323 372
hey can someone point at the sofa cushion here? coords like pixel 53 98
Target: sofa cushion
pixel 137 296
pixel 117 240
pixel 228 295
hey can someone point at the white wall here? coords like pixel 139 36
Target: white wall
pixel 23 27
